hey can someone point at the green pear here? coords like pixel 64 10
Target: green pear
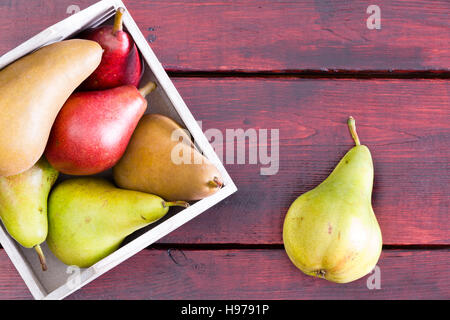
pixel 89 218
pixel 331 232
pixel 23 205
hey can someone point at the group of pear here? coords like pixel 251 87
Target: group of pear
pixel 73 107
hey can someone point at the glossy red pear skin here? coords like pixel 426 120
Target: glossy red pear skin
pixel 120 65
pixel 92 130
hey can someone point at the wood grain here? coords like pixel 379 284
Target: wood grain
pixel 255 35
pixel 405 123
pixel 218 274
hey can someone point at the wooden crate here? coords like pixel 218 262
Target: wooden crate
pixel 58 281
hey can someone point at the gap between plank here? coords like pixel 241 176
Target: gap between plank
pixel 275 246
pixel 237 246
pixel 315 74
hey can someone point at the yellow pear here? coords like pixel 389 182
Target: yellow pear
pixel 32 91
pixel 156 163
pixel 331 232
pixel 23 205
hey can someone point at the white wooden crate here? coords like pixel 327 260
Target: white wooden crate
pixel 54 283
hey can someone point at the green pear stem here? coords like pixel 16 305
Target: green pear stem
pixel 215 183
pixel 41 257
pixel 118 21
pixel 175 204
pixel 352 128
pixel 149 87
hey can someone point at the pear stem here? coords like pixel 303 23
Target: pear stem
pixel 215 183
pixel 175 204
pixel 149 87
pixel 118 23
pixel 352 128
pixel 321 273
pixel 41 257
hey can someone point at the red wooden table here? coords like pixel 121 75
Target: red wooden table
pixel 301 67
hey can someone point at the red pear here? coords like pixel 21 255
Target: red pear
pixel 92 130
pixel 121 63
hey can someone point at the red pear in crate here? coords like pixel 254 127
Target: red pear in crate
pixel 121 64
pixel 93 129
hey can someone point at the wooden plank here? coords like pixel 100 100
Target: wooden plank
pixel 404 122
pixel 255 35
pixel 217 274
pixel 11 284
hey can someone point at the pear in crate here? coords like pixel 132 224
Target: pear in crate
pixel 331 231
pixel 161 159
pixel 32 91
pixel 89 218
pixel 121 63
pixel 23 205
pixel 93 129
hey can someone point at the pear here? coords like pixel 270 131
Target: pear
pixel 89 218
pixel 106 119
pixel 157 162
pixel 121 63
pixel 331 232
pixel 32 91
pixel 23 205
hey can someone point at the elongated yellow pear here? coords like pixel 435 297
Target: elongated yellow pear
pixel 331 232
pixel 89 218
pixel 32 91
pixel 23 205
pixel 161 159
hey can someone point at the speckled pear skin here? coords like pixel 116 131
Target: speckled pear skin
pixel 89 218
pixel 331 232
pixel 32 91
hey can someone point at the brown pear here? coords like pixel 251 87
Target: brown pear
pixel 32 91
pixel 161 159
